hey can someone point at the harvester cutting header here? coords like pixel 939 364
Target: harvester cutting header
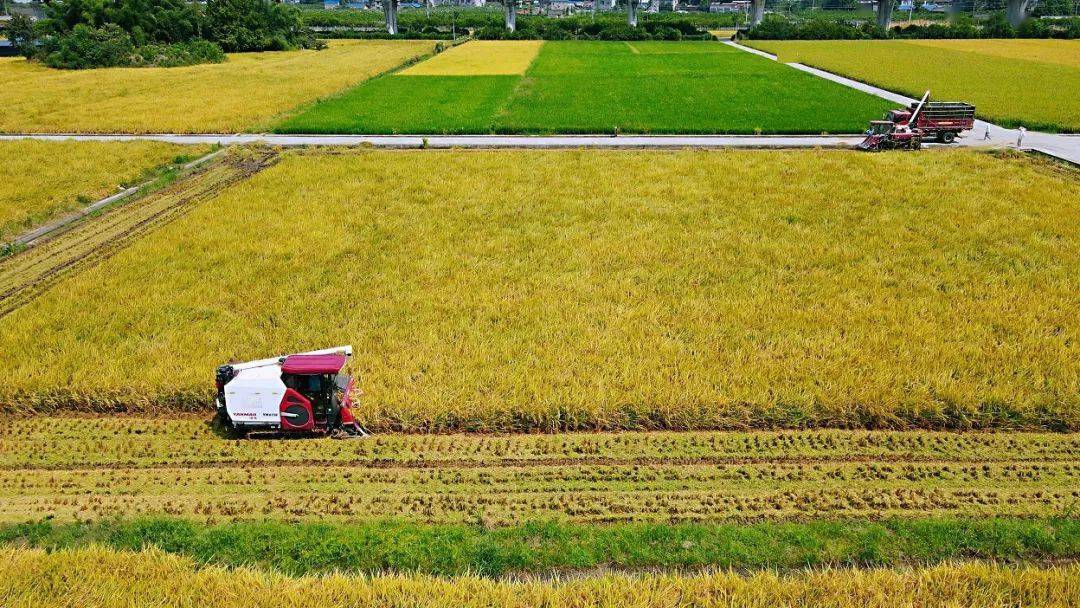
pixel 908 128
pixel 301 393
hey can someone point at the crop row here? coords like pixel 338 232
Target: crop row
pixel 539 479
pixel 110 579
pixel 509 506
pixel 46 442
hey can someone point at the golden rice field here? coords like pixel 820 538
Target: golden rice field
pixel 247 92
pixel 83 469
pixel 1011 82
pixel 625 290
pixel 86 243
pixel 480 58
pixel 40 180
pixel 111 579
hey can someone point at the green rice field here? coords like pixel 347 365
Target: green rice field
pixel 598 87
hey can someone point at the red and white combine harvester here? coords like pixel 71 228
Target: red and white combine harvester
pixel 302 393
pixel 908 128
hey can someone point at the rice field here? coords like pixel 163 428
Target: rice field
pixel 480 58
pixel 1011 82
pixel 247 92
pixel 40 180
pixel 111 579
pixel 99 468
pixel 592 87
pixel 635 290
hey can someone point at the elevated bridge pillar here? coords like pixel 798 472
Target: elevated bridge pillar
pixel 1017 10
pixel 511 14
pixel 884 13
pixel 757 12
pixel 390 8
pixel 631 12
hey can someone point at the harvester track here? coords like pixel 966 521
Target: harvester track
pixel 27 275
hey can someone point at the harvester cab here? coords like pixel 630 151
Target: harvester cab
pixel 300 393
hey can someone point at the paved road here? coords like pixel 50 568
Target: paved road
pixel 1065 147
pixel 486 141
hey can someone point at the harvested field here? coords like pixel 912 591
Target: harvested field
pixel 711 290
pixel 593 87
pixel 241 94
pixel 480 58
pixel 109 579
pixel 1011 82
pixel 94 468
pixel 40 180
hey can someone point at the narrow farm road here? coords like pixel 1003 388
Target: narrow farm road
pixel 984 135
pixel 483 141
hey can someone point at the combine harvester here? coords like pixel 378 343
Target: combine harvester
pixel 908 128
pixel 301 393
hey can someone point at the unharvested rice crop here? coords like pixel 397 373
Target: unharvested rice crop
pixel 241 94
pixel 24 276
pixel 598 87
pixel 592 290
pixel 42 179
pixel 1011 82
pixel 78 469
pixel 1062 52
pixel 480 58
pixel 110 579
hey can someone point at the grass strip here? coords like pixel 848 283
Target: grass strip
pixel 396 546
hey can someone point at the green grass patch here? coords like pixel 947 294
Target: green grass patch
pixel 552 546
pixel 409 105
pixel 597 87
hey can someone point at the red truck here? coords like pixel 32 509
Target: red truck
pixel 907 128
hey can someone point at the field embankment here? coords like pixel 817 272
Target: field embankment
pixel 592 87
pixel 1011 82
pixel 109 579
pixel 241 94
pixel 626 290
pixel 89 468
pixel 40 180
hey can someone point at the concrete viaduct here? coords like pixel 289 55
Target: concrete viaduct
pixel 1016 11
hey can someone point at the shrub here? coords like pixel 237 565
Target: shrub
pixel 90 47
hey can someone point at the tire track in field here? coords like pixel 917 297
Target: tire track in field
pixel 27 275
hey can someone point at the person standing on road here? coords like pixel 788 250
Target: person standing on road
pixel 986 136
pixel 1020 138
